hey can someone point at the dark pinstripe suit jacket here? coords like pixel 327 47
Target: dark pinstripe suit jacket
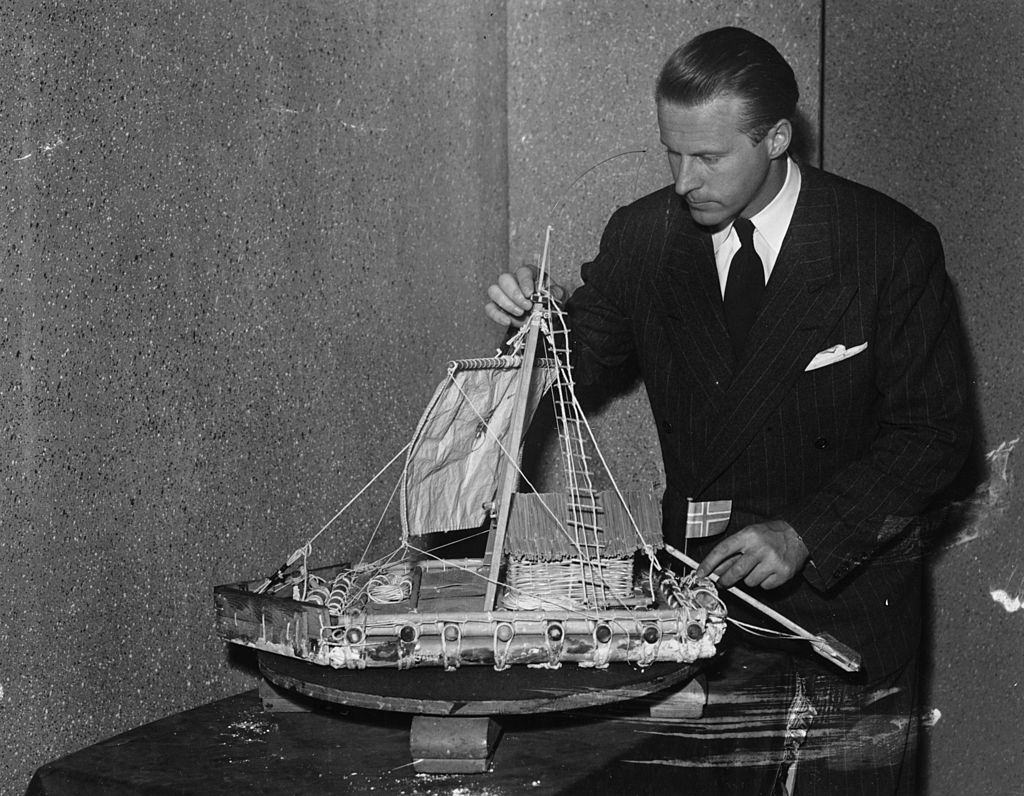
pixel 849 453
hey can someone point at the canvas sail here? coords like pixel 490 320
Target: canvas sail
pixel 455 457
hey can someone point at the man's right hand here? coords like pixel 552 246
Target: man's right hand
pixel 510 296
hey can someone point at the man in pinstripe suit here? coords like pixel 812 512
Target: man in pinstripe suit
pixel 829 418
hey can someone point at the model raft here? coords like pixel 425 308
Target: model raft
pixel 566 577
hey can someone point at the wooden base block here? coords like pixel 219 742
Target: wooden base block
pixel 422 765
pixel 687 702
pixel 278 700
pixel 453 745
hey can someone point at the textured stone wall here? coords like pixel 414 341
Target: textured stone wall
pixel 925 101
pixel 240 240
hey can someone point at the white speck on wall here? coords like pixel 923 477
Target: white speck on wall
pixel 1011 604
pixel 931 717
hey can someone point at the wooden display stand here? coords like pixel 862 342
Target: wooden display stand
pixel 454 730
pixel 280 700
pixel 453 745
pixel 686 702
pixel 438 744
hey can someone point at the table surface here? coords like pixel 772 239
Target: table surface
pixel 233 745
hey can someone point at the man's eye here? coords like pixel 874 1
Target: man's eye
pixel 710 160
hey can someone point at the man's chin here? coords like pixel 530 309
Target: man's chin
pixel 707 215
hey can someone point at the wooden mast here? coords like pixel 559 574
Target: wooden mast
pixel 496 537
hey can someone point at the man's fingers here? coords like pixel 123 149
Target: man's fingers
pixel 517 289
pixel 737 569
pixel 720 552
pixel 507 303
pixel 772 581
pixel 509 296
pixel 762 574
pixel 725 566
pixel 526 279
pixel 766 554
pixel 501 317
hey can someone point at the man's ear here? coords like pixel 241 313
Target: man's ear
pixel 779 137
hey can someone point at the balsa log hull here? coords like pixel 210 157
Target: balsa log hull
pixel 440 629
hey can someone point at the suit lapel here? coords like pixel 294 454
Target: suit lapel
pixel 804 300
pixel 689 299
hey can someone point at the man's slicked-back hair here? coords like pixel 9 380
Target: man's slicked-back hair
pixel 732 62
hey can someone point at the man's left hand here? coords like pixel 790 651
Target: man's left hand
pixel 766 554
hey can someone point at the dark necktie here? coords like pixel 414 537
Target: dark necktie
pixel 744 288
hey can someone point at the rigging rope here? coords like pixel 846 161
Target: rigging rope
pixel 573 538
pixel 583 505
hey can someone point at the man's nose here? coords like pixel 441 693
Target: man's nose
pixel 686 179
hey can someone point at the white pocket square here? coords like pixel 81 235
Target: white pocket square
pixel 836 353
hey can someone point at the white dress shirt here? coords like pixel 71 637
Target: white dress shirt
pixel 770 227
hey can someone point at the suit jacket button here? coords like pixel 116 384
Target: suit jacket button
pixel 821 443
pixel 667 427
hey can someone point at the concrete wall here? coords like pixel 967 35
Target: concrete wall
pixel 239 242
pixel 925 101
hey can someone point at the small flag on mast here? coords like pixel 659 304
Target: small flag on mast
pixel 707 518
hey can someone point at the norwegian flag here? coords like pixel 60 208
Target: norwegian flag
pixel 707 518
